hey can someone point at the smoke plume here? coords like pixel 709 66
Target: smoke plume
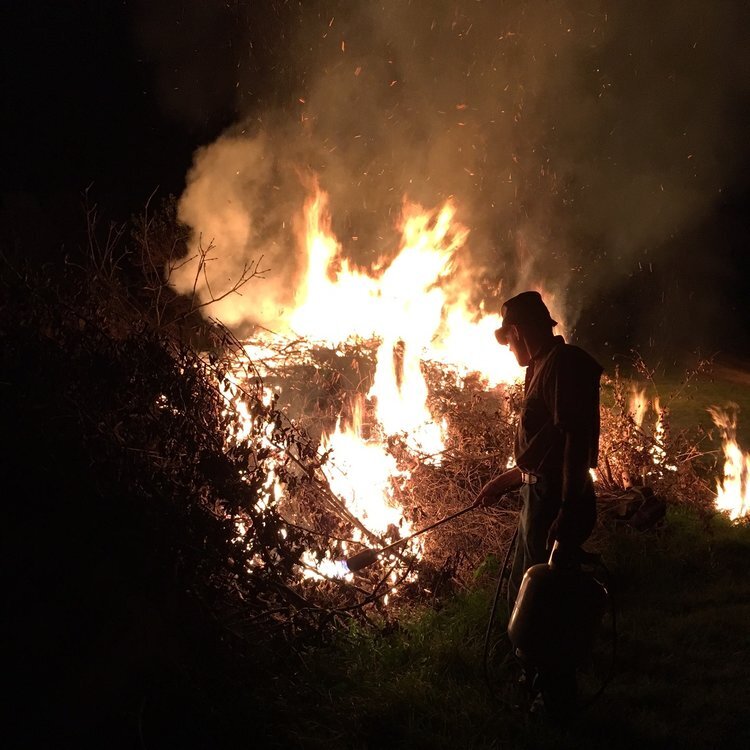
pixel 577 139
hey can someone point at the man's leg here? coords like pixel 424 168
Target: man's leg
pixel 520 555
pixel 558 686
pixel 534 521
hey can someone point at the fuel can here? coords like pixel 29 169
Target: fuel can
pixel 556 616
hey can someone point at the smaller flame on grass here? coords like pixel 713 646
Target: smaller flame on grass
pixel 733 491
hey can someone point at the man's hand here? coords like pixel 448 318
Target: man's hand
pixel 493 491
pixel 488 495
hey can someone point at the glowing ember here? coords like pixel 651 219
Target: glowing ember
pixel 733 491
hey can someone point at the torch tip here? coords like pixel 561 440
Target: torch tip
pixel 362 559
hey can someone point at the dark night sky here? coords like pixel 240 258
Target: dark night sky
pixel 94 94
pixel 81 109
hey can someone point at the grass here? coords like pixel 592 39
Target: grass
pixel 689 408
pixel 682 677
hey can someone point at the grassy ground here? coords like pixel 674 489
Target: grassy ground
pixel 682 677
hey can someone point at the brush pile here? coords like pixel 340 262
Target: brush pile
pixel 126 429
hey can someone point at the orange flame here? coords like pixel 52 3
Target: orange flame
pixel 405 304
pixel 638 405
pixel 657 451
pixel 733 491
pixel 362 473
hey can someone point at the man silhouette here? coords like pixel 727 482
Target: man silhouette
pixel 557 442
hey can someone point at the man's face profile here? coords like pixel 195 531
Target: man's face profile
pixel 517 345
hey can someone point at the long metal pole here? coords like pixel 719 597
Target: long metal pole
pixel 428 528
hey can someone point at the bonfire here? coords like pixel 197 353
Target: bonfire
pixel 381 403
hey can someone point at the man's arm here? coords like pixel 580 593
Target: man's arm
pixel 493 491
pixel 574 404
pixel 576 457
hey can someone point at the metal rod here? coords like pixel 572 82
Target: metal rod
pixel 427 528
pixel 369 555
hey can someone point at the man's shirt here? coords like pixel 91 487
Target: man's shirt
pixel 561 395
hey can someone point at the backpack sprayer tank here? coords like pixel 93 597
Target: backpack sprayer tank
pixel 556 615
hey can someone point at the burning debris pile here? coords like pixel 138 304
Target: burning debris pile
pixel 637 447
pixel 335 472
pixel 294 412
pixel 640 450
pixel 388 408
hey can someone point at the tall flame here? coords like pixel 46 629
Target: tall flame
pixel 405 304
